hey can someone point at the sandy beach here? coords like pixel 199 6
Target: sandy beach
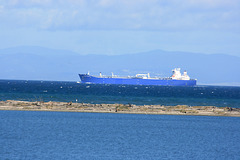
pixel 119 108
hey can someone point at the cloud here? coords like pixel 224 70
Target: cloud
pixel 27 3
pixel 120 14
pixel 213 3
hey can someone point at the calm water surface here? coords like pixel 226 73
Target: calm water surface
pixel 65 135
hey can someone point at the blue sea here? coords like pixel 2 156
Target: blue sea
pixel 71 135
pixel 219 96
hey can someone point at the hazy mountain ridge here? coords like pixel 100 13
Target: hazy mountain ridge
pixel 39 63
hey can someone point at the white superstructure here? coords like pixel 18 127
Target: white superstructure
pixel 178 76
pixel 144 76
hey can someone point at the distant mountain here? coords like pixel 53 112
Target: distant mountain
pixel 38 63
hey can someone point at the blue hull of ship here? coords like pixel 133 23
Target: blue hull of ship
pixel 85 78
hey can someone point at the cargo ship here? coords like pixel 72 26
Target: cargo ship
pixel 176 79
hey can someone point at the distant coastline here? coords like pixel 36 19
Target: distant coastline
pixel 156 62
pixel 119 108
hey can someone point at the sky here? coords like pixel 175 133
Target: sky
pixel 122 26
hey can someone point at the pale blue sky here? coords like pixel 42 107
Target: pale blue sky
pixel 122 26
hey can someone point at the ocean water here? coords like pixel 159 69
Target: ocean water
pixel 71 135
pixel 219 96
pixel 65 135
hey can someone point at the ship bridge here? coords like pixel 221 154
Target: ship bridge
pixel 176 74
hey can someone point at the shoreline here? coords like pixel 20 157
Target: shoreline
pixel 119 108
